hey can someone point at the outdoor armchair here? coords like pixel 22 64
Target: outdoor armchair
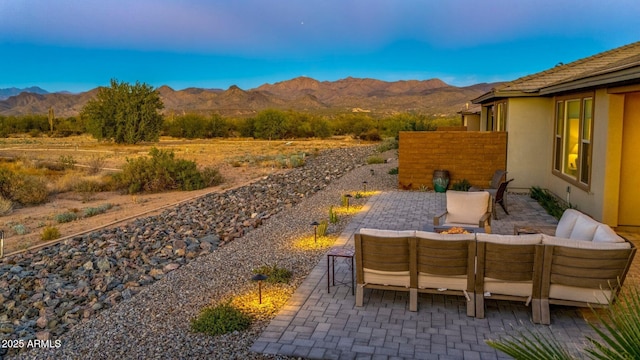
pixel 466 209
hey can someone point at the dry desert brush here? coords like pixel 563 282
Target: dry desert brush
pixel 161 171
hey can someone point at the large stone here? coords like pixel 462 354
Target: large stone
pixel 42 322
pixel 104 264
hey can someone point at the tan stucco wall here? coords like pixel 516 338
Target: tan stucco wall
pixel 530 126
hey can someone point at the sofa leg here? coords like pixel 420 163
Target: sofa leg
pixel 359 294
pixel 471 304
pixel 545 314
pixel 535 311
pixel 479 306
pixel 413 299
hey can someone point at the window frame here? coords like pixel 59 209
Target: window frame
pixel 583 167
pixel 496 116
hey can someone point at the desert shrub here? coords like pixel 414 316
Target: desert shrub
pixel 5 206
pixel 276 274
pixel 96 163
pixel 333 217
pixel 50 233
pixel 462 185
pixel 65 217
pixel 322 228
pixel 88 185
pixel 67 161
pixel 371 135
pixel 21 188
pixel 159 172
pixel 93 211
pixel 393 171
pixel 296 160
pixel 211 176
pixel 387 144
pixel 19 229
pixel 375 160
pixel 220 319
pixel 291 161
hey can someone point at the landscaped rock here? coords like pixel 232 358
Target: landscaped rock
pixel 55 288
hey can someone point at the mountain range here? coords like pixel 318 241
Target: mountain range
pixel 430 97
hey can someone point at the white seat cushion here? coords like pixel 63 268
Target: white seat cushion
pixel 584 228
pixel 572 293
pixel 513 288
pixel 566 223
pixel 453 282
pixel 387 233
pixel 394 278
pixel 444 237
pixel 529 239
pixel 606 234
pixel 466 207
pixel 580 244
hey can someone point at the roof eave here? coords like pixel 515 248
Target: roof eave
pixel 495 95
pixel 600 80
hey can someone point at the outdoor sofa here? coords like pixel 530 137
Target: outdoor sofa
pixel 536 269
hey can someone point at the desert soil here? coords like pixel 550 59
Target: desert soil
pixel 239 161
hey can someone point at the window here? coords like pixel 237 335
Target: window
pixel 573 136
pixel 497 116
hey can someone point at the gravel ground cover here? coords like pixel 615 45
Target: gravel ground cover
pixel 134 296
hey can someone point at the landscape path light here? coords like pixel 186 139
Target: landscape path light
pixel 364 186
pixel 315 231
pixel 372 172
pixel 259 278
pixel 1 243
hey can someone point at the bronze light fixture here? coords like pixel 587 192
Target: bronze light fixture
pixel 364 186
pixel 259 278
pixel 315 231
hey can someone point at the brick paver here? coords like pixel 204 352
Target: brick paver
pixel 318 325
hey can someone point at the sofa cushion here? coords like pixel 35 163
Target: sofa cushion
pixel 529 239
pixel 566 223
pixel 387 233
pixel 573 293
pixel 444 237
pixel 394 278
pixel 453 282
pixel 513 288
pixel 572 243
pixel 584 228
pixel 606 234
pixel 466 207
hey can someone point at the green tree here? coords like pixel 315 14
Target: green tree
pixel 124 113
pixel 271 124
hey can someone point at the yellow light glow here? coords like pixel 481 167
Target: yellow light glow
pixel 274 297
pixel 351 210
pixel 309 243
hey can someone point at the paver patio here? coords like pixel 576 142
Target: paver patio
pixel 319 325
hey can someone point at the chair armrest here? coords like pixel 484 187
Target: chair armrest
pixel 486 218
pixel 436 219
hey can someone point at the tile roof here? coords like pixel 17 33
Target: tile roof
pixel 606 62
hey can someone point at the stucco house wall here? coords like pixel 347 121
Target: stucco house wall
pixel 529 155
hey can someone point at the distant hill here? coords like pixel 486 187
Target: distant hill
pixel 7 93
pixel 431 97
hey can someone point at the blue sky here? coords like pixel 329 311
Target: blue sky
pixel 76 45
